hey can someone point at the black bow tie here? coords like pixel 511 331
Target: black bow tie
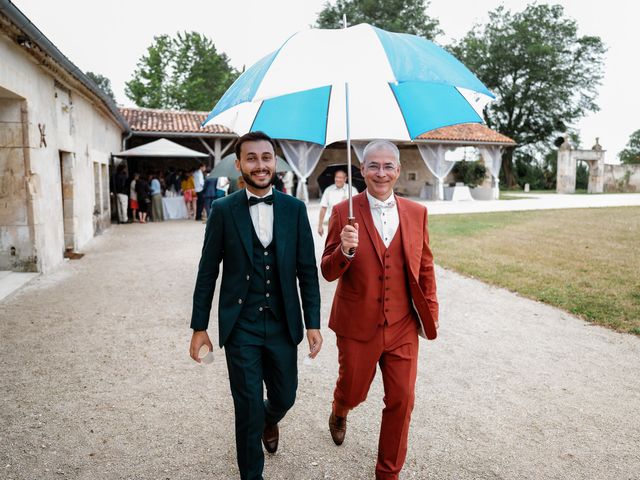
pixel 256 200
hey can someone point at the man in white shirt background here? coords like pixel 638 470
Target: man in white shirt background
pixel 198 182
pixel 333 195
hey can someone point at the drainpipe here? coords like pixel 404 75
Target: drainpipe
pixel 26 156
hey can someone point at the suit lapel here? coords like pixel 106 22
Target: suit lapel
pixel 367 220
pixel 242 220
pixel 281 226
pixel 407 233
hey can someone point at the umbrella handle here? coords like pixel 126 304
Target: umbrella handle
pixel 351 221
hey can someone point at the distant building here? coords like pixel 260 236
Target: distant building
pixel 184 127
pixel 180 126
pixel 57 132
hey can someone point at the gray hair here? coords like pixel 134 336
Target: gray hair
pixel 378 145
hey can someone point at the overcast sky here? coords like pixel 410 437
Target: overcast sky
pixel 109 37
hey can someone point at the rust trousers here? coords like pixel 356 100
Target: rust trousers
pixel 395 349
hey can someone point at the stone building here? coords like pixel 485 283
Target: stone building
pixel 57 132
pixel 184 127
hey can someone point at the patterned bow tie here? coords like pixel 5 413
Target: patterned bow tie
pixel 381 205
pixel 256 200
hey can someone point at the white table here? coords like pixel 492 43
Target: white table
pixel 174 208
pixel 459 193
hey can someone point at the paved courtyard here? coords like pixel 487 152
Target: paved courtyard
pixel 96 382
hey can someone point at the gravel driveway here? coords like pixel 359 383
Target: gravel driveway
pixel 96 382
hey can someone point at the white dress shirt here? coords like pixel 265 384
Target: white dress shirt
pixel 262 219
pixel 198 180
pixel 385 217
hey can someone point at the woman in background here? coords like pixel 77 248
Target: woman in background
pixel 133 197
pixel 189 193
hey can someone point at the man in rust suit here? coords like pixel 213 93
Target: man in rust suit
pixel 385 298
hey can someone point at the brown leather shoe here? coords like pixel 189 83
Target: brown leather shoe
pixel 338 428
pixel 270 437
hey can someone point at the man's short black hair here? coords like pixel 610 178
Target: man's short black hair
pixel 253 137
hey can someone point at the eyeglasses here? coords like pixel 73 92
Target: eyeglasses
pixel 386 168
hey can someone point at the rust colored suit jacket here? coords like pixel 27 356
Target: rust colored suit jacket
pixel 355 312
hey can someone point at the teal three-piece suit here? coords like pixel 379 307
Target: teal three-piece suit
pixel 260 321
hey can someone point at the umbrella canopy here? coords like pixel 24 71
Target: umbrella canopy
pixel 227 167
pixel 161 148
pixel 390 85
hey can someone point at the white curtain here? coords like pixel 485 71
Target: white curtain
pixel 492 157
pixel 358 147
pixel 433 156
pixel 303 157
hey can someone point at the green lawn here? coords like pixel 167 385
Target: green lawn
pixel 585 261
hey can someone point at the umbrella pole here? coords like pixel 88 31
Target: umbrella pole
pixel 349 179
pixel 351 220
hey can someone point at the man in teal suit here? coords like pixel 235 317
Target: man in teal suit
pixel 264 240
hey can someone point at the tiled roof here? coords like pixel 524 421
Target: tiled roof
pixel 467 132
pixel 174 121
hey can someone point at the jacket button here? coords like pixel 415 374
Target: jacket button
pixel 379 300
pixel 268 282
pixel 239 300
pixel 267 267
pixel 267 295
pixel 387 266
pixel 342 264
pixel 386 299
pixel 266 253
pixel 248 277
pixel 380 278
pixel 260 309
pixel 386 310
pixel 387 278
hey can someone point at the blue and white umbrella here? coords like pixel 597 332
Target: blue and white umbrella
pixel 389 85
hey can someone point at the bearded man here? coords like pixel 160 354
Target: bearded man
pixel 264 240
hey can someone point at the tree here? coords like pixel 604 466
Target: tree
pixel 544 75
pixel 404 16
pixel 103 84
pixel 631 154
pixel 185 72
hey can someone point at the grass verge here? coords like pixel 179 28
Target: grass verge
pixel 585 261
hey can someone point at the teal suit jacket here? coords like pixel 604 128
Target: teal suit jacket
pixel 228 239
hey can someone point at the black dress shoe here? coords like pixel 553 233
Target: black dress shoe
pixel 270 437
pixel 338 428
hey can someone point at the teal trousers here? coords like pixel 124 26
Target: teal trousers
pixel 259 352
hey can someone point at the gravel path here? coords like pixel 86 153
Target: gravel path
pixel 96 382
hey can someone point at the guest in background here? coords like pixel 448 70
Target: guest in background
pixel 156 199
pixel 144 200
pixel 198 185
pixel 209 193
pixel 173 181
pixel 189 193
pixel 133 197
pixel 333 195
pixel 122 190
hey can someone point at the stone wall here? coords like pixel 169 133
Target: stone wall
pixel 622 178
pixel 51 138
